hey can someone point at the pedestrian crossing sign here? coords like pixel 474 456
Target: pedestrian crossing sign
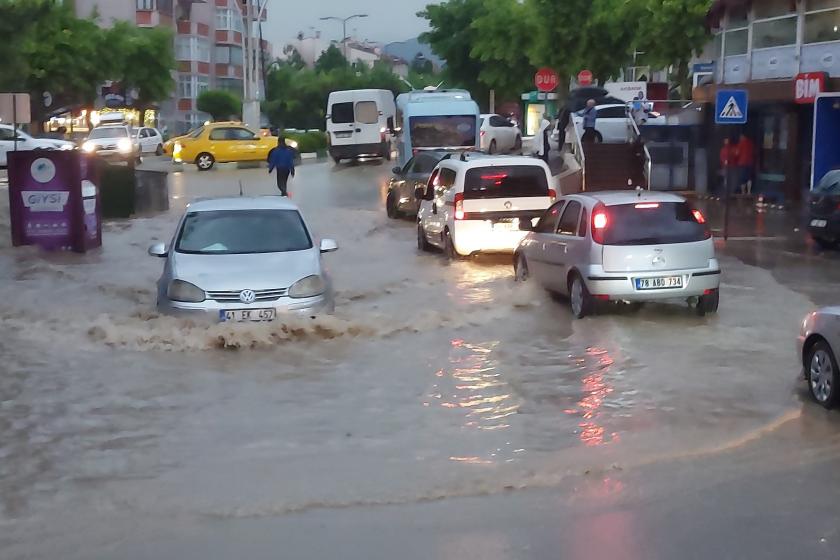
pixel 731 106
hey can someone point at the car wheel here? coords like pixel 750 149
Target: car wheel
pixel 823 374
pixel 205 161
pixel 517 144
pixel 492 148
pixel 159 150
pixel 391 206
pixel 422 243
pixel 449 247
pixel 386 151
pixel 824 243
pixel 580 300
pixel 336 159
pixel 708 303
pixel 520 268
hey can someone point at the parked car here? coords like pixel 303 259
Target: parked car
pixel 222 142
pixel 150 140
pixel 632 246
pixel 112 142
pixel 474 203
pixel 27 142
pixel 400 200
pixel 824 211
pixel 244 259
pixel 613 122
pixel 499 134
pixel 818 342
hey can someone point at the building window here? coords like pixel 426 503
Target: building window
pixel 190 86
pixel 230 84
pixel 778 32
pixel 229 55
pixel 228 19
pixel 146 5
pixel 737 18
pixel 188 48
pixel 824 25
pixel 772 8
pixel 736 42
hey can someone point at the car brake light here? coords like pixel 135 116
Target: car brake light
pixel 599 223
pixel 483 132
pixel 648 205
pixel 459 206
pixel 698 215
pixel 552 194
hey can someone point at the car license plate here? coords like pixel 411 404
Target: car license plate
pixel 659 283
pixel 247 315
pixel 502 226
pixel 819 223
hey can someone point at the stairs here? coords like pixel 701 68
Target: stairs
pixel 610 166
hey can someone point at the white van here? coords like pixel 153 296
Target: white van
pixel 360 122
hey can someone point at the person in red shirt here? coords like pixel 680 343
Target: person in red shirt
pixel 728 159
pixel 746 162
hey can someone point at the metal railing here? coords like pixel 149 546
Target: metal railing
pixel 577 152
pixel 636 136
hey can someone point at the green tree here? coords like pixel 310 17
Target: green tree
pixel 421 64
pixel 671 32
pixel 18 20
pixel 219 103
pixel 293 57
pixel 331 59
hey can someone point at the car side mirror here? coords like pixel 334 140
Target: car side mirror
pixel 328 245
pixel 397 170
pixel 420 193
pixel 158 250
pixel 526 225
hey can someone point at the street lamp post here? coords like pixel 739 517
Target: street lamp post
pixel 344 27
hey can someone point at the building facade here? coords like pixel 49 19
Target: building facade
pixel 209 48
pixel 771 48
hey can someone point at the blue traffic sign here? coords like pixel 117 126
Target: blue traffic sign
pixel 731 106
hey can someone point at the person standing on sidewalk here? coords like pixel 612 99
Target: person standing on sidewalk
pixel 746 163
pixel 728 161
pixel 282 159
pixel 541 138
pixel 590 118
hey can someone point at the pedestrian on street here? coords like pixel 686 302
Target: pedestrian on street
pixel 590 117
pixel 541 139
pixel 282 159
pixel 728 160
pixel 746 163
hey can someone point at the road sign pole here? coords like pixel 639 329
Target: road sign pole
pixel 731 107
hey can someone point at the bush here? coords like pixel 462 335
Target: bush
pixel 308 141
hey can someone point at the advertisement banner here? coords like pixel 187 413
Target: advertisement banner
pixel 627 91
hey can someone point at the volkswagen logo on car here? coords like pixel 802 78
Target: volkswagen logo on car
pixel 247 296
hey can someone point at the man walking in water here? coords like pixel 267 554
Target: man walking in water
pixel 282 158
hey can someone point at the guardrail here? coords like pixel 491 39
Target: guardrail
pixel 636 136
pixel 577 151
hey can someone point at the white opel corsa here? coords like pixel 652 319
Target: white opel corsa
pixel 474 203
pixel 631 246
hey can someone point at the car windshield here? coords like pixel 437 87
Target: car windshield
pixel 652 223
pixel 505 182
pixel 829 184
pixel 443 131
pixel 237 232
pixel 108 132
pixel 195 133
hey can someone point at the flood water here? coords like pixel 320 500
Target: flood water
pixel 432 380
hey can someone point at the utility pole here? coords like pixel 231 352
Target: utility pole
pixel 251 104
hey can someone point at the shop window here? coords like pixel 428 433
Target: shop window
pixel 147 5
pixel 737 18
pixel 718 45
pixel 772 8
pixel 822 26
pixel 814 5
pixel 736 42
pixel 774 33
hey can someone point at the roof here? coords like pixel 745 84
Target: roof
pixel 612 198
pixel 242 203
pixel 479 159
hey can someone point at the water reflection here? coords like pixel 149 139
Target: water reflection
pixel 596 388
pixel 475 281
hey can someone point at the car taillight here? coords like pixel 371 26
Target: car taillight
pixel 552 194
pixel 698 215
pixel 599 224
pixel 459 206
pixel 483 132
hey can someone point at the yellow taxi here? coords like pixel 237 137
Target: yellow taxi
pixel 221 142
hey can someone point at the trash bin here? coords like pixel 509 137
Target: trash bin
pixel 54 200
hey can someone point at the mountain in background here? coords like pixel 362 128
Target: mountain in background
pixel 408 49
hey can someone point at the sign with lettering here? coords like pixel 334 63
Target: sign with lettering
pixel 808 85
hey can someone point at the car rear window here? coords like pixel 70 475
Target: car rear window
pixel 652 224
pixel 342 113
pixel 505 182
pixel 366 112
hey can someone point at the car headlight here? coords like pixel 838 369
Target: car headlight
pixel 310 286
pixel 88 146
pixel 124 145
pixel 180 290
pixel 292 144
pixel 176 150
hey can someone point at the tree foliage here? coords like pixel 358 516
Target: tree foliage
pixel 220 104
pixel 143 60
pixel 331 59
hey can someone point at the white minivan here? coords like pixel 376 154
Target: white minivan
pixel 360 122
pixel 474 203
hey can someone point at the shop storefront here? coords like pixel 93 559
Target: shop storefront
pixel 535 104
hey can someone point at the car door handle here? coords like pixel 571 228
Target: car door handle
pixel 358 130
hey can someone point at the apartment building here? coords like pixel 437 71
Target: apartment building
pixel 209 49
pixel 769 47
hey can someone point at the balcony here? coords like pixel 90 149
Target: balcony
pixel 147 18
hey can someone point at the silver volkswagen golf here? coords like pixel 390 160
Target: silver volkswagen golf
pixel 244 260
pixel 631 246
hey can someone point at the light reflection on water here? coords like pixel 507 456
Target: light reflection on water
pixel 596 387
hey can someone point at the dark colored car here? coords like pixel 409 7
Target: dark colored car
pixel 406 179
pixel 824 214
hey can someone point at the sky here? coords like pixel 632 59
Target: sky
pixel 387 21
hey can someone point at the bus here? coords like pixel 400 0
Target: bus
pixel 435 119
